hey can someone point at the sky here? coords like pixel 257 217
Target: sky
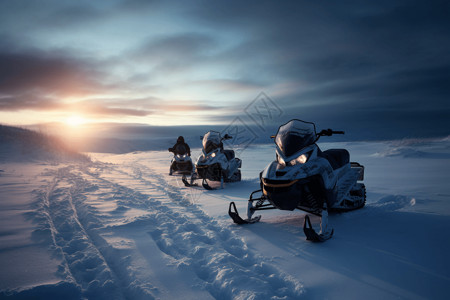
pixel 371 67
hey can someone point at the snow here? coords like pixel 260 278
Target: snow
pixel 121 228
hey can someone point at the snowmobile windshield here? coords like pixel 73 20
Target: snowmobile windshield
pixel 294 136
pixel 211 141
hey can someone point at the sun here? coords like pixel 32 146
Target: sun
pixel 75 121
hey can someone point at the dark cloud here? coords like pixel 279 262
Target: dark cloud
pixel 186 45
pixel 28 102
pixel 174 53
pixel 48 73
pixel 373 65
pixel 381 65
pixel 73 14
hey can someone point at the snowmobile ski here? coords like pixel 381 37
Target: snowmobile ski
pixel 187 183
pixel 312 235
pixel 233 213
pixel 206 185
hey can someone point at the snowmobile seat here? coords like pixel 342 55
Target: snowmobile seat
pixel 336 157
pixel 229 154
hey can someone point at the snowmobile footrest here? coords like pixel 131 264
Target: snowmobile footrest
pixel 233 213
pixel 311 234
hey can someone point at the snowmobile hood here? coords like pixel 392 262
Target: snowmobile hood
pixel 294 136
pixel 211 141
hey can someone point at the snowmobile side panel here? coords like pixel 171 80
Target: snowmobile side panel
pixel 355 199
pixel 346 183
pixel 360 168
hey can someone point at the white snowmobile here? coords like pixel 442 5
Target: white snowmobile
pixel 304 177
pixel 215 163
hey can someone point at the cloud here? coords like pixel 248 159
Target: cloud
pixel 47 73
pixel 174 53
pixel 362 64
pixel 228 85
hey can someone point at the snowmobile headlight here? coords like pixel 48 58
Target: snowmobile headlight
pixel 212 155
pixel 299 160
pixel 281 161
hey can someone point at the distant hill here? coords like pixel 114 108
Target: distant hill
pixel 24 145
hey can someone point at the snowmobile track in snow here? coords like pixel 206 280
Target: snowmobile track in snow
pixel 84 264
pixel 195 241
pixel 191 240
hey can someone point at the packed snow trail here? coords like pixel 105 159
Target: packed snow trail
pixel 127 230
pixel 103 218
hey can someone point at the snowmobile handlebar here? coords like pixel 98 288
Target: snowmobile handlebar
pixel 227 137
pixel 329 132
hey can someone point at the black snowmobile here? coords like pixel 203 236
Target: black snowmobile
pixel 181 161
pixel 303 177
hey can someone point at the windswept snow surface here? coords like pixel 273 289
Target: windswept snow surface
pixel 122 228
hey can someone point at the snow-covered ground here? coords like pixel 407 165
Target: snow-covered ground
pixel 122 228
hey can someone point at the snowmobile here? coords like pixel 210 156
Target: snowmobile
pixel 303 177
pixel 215 163
pixel 181 164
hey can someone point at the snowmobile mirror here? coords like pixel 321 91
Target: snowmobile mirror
pixel 227 137
pixel 201 137
pixel 272 136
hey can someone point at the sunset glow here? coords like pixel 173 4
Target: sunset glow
pixel 75 121
pixel 160 63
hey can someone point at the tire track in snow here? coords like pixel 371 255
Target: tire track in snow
pixel 193 240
